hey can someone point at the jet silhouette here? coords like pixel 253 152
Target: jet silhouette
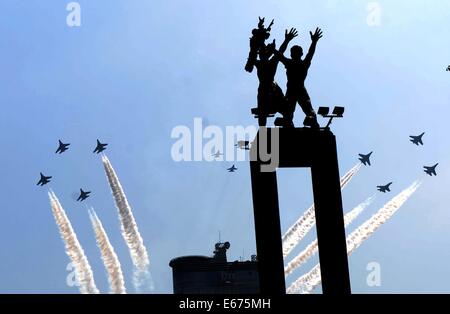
pixel 62 147
pixel 100 147
pixel 417 139
pixel 243 144
pixel 232 169
pixel 44 180
pixel 430 170
pixel 365 158
pixel 217 154
pixel 83 195
pixel 384 188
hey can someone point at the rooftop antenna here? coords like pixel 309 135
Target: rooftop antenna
pixel 219 237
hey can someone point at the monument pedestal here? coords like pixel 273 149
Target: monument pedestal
pixel 298 147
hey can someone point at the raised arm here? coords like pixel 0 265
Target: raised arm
pixel 252 58
pixel 253 54
pixel 287 38
pixel 314 39
pixel 279 55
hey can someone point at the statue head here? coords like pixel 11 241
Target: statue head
pixel 296 52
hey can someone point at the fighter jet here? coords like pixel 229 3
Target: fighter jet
pixel 217 154
pixel 44 180
pixel 448 68
pixel 430 170
pixel 62 147
pixel 384 188
pixel 243 144
pixel 417 139
pixel 232 169
pixel 100 147
pixel 365 158
pixel 83 195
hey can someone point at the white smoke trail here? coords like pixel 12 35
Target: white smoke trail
pixel 312 248
pixel 305 223
pixel 308 282
pixel 130 232
pixel 74 250
pixel 349 175
pixel 357 237
pixel 109 257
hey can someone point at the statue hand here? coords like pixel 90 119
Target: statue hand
pixel 317 35
pixel 261 22
pixel 291 34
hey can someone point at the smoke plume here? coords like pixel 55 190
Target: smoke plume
pixel 308 282
pixel 130 230
pixel 312 248
pixel 109 257
pixel 305 223
pixel 74 250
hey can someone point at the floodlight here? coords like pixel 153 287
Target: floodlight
pixel 338 111
pixel 323 111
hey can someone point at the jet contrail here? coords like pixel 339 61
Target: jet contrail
pixel 74 250
pixel 358 236
pixel 109 257
pixel 130 230
pixel 305 223
pixel 312 248
pixel 308 282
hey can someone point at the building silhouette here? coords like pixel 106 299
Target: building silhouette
pixel 214 275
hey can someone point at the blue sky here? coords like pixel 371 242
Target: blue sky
pixel 135 70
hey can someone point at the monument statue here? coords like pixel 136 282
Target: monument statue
pixel 265 57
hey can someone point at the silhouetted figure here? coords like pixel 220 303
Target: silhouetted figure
pixel 259 36
pixel 296 71
pixel 270 96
